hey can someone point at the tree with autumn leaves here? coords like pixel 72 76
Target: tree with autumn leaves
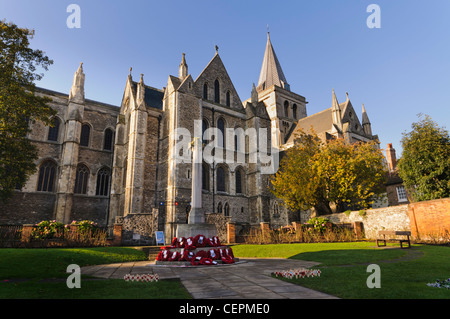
pixel 319 175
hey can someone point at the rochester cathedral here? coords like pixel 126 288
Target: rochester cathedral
pixel 106 163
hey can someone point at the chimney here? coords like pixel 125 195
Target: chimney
pixel 391 158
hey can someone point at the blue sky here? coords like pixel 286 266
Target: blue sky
pixel 397 71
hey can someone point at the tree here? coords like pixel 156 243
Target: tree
pixel 19 105
pixel 319 175
pixel 425 162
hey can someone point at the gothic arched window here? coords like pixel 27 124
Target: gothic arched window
pixel 103 176
pixel 85 133
pixel 204 128
pixel 205 91
pixel 221 187
pixel 205 177
pixel 47 173
pixel 228 98
pixel 294 111
pixel 81 179
pixel 286 108
pixel 226 210
pixel 239 188
pixel 216 91
pixel 53 130
pixel 221 127
pixel 219 208
pixel 108 139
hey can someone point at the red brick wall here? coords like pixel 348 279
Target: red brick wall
pixel 430 218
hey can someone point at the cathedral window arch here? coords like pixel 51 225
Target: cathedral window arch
pixel 85 135
pixel 221 128
pixel 216 91
pixel 294 111
pixel 81 179
pixel 103 178
pixel 205 90
pixel 226 210
pixel 286 108
pixel 205 176
pixel 221 178
pixel 53 130
pixel 228 98
pixel 108 139
pixel 219 208
pixel 205 126
pixel 239 180
pixel 46 178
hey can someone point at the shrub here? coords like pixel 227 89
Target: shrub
pixel 319 223
pixel 48 230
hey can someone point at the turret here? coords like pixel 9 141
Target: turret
pixel 183 69
pixel 336 112
pixel 77 91
pixel 365 122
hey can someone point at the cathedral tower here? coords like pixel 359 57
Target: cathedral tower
pixel 283 106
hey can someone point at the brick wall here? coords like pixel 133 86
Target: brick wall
pixel 430 218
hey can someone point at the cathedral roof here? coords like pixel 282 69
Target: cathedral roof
pixel 271 72
pixel 152 96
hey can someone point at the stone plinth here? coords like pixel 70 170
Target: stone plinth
pixel 192 230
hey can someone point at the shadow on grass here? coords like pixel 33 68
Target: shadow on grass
pixel 350 256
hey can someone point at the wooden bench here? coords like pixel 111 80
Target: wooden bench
pixel 385 233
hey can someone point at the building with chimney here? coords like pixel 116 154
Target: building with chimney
pixel 121 163
pixel 395 190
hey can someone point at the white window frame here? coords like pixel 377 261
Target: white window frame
pixel 401 194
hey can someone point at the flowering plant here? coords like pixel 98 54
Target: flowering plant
pixel 440 284
pixel 47 229
pixel 141 278
pixel 319 223
pixel 86 226
pixel 297 273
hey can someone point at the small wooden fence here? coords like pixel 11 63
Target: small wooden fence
pixel 21 236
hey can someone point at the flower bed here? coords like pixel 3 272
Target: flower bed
pixel 198 250
pixel 141 277
pixel 440 284
pixel 297 273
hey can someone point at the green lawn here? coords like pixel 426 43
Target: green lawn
pixel 41 273
pixel 345 277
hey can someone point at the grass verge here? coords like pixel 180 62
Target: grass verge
pixel 344 268
pixel 41 274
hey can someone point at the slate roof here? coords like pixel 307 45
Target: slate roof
pixel 153 97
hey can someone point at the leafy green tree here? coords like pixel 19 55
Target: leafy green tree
pixel 425 162
pixel 19 105
pixel 320 175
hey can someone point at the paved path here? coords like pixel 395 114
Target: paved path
pixel 247 279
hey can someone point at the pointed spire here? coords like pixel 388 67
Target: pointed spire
pixel 271 72
pixel 367 127
pixel 334 103
pixel 140 93
pixel 254 96
pixel 183 69
pixel 77 90
pixel 129 74
pixel 336 111
pixel 365 118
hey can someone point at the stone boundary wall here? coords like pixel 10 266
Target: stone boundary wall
pixel 138 229
pixel 374 220
pixel 430 219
